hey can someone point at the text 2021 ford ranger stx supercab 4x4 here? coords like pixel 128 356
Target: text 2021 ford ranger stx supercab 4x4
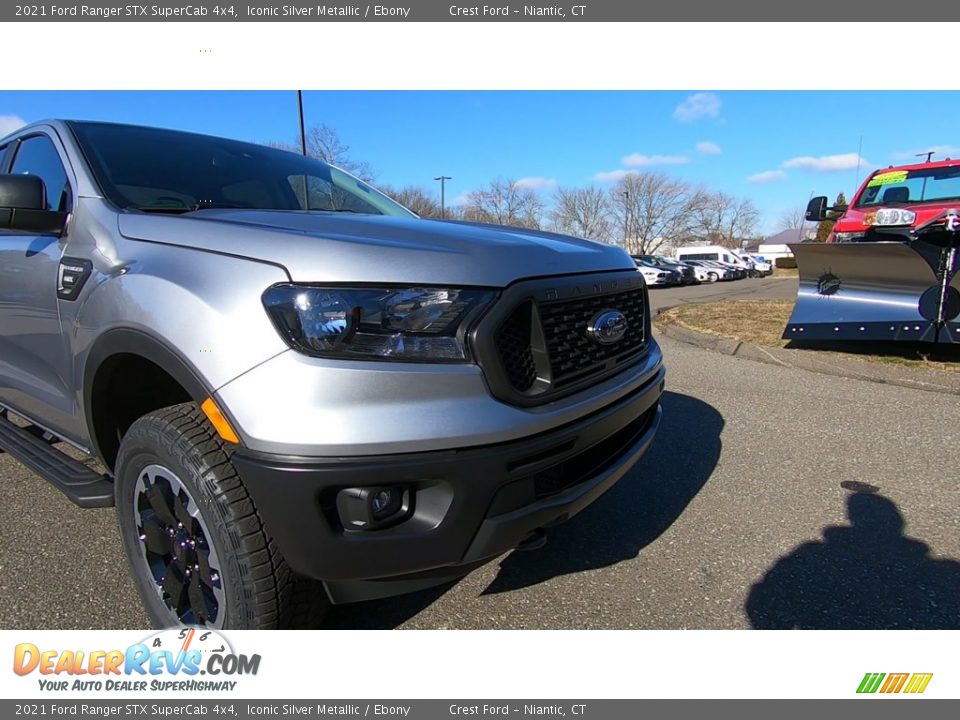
pixel 301 391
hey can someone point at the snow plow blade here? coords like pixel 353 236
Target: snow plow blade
pixel 877 291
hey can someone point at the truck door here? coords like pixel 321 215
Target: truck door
pixel 34 367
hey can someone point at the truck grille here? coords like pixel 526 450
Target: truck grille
pixel 556 332
pixel 513 344
pixel 573 355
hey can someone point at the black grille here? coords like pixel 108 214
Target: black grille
pixel 573 354
pixel 592 461
pixel 534 346
pixel 514 347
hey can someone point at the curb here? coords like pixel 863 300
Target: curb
pixel 917 379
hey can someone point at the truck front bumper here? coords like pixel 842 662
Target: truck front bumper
pixel 465 506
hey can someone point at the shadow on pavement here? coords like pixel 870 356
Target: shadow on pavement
pixel 865 575
pixel 631 515
pixel 637 510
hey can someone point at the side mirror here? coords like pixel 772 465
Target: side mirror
pixel 817 209
pixel 23 206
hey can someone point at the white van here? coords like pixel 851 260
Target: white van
pixel 763 266
pixel 717 253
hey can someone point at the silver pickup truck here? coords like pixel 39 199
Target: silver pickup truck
pixel 298 392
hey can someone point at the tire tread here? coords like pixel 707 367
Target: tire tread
pixel 274 596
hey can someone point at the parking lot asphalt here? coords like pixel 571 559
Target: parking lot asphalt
pixel 772 497
pixel 753 289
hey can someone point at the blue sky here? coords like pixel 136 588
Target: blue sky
pixel 775 147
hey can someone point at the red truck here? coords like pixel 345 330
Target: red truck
pixel 888 270
pixel 902 197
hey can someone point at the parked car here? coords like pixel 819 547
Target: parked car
pixel 300 391
pixel 715 253
pixel 657 276
pixel 687 275
pixel 702 273
pixel 715 270
pixel 739 272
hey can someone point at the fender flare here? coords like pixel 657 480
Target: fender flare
pixel 128 341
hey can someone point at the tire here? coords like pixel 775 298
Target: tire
pixel 177 492
pixel 713 277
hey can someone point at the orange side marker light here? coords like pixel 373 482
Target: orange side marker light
pixel 219 421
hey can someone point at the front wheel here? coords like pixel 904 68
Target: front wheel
pixel 712 277
pixel 199 552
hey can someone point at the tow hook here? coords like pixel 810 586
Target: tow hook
pixel 535 540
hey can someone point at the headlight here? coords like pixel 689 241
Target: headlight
pixel 891 216
pixel 402 324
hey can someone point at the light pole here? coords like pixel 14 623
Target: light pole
pixel 303 129
pixel 443 182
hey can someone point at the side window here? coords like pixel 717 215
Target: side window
pixel 37 156
pixel 3 157
pixel 325 195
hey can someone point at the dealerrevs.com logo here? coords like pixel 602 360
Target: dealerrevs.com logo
pixel 171 660
pixel 891 683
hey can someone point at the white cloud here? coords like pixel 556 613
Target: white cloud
pixel 613 175
pixel 708 148
pixel 826 163
pixel 768 176
pixel 640 160
pixel 461 199
pixel 697 106
pixel 940 152
pixel 536 183
pixel 9 123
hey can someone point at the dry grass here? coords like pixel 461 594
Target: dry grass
pixel 761 322
pixel 786 272
pixel 755 321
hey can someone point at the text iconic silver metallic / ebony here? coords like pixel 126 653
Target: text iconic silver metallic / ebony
pixel 297 390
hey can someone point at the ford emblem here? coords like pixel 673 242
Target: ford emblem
pixel 607 327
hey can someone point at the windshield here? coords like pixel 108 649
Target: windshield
pixel 899 187
pixel 167 171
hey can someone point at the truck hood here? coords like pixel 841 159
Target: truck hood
pixel 326 247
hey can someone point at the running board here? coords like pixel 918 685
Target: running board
pixel 80 484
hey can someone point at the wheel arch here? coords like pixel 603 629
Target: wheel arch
pixel 166 373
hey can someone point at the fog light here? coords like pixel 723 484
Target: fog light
pixel 372 508
pixel 386 502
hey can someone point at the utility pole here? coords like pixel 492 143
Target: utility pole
pixel 443 204
pixel 927 155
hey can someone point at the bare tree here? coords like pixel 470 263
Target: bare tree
pixel 324 143
pixel 723 219
pixel 742 222
pixel 418 199
pixel 792 219
pixel 583 212
pixel 653 209
pixel 503 202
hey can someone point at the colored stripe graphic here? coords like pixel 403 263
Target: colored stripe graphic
pixel 894 683
pixel 870 682
pixel 918 682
